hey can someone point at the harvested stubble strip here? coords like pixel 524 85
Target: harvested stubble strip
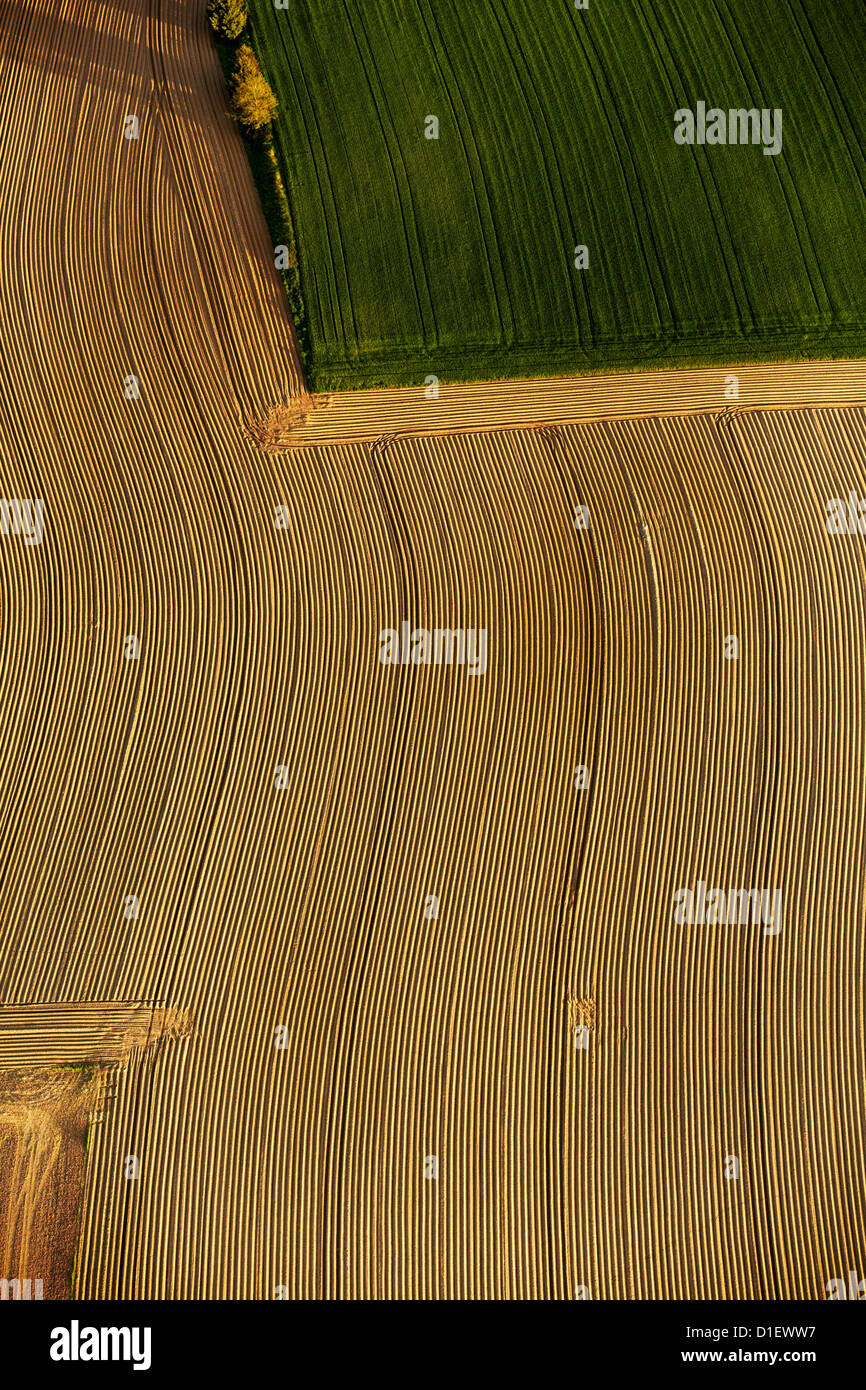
pixel 44 1035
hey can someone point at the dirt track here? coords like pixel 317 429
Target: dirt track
pixel 408 1038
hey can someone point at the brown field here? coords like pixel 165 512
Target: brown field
pixel 408 1038
pixel 43 1128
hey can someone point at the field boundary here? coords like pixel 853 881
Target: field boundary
pixel 469 408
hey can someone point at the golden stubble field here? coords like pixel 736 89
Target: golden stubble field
pixel 429 1127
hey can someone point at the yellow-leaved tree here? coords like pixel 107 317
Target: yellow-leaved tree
pixel 253 103
pixel 227 17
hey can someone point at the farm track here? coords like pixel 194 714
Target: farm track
pixel 303 1168
pixel 473 406
pixel 43 1035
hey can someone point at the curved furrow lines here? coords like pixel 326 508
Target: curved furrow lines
pixel 284 808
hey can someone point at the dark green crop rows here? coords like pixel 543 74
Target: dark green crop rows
pixel 456 256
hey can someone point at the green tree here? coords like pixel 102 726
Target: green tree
pixel 227 17
pixel 253 103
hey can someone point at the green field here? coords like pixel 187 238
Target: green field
pixel 556 128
